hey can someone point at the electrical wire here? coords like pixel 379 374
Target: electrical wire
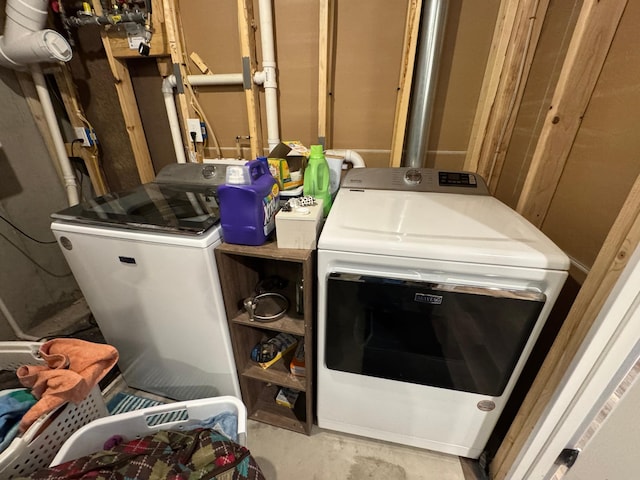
pixel 32 260
pixel 43 242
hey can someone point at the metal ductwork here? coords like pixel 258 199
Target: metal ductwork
pixel 432 25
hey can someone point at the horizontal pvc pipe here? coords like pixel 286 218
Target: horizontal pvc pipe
pixel 215 79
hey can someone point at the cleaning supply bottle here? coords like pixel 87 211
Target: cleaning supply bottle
pixel 249 202
pixel 316 177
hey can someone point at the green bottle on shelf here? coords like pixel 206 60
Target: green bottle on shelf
pixel 316 178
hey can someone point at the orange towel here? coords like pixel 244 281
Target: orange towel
pixel 73 367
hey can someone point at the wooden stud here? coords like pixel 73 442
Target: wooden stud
pixel 246 23
pixel 492 138
pixel 590 43
pixel 411 32
pixel 176 48
pixel 325 61
pixel 496 63
pixel 77 119
pixel 587 52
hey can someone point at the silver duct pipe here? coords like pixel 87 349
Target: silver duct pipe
pixel 432 23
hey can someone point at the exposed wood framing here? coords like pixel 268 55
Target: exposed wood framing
pixel 411 32
pixel 325 73
pixel 590 43
pixel 77 119
pixel 520 26
pixel 246 28
pixel 517 31
pixel 589 46
pixel 179 58
pixel 120 44
pixel 128 104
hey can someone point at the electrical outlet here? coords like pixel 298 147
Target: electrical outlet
pixel 87 136
pixel 194 126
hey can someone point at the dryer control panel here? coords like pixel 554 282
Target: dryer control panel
pixel 415 180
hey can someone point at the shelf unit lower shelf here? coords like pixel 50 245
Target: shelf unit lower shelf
pixel 242 269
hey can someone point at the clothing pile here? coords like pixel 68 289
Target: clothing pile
pixel 70 370
pixel 165 455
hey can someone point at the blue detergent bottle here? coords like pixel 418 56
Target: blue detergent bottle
pixel 248 204
pixel 316 178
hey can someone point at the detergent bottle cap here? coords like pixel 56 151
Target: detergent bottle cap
pixel 315 151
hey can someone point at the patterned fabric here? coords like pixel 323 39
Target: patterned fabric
pixel 165 455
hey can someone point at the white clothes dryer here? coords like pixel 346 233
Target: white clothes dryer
pixel 431 295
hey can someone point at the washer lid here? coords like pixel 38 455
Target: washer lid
pixel 439 226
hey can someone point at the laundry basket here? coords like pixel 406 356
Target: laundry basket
pixel 140 423
pixel 39 444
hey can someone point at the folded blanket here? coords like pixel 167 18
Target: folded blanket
pixel 13 405
pixel 165 455
pixel 73 367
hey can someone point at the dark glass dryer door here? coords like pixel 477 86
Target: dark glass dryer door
pixel 458 337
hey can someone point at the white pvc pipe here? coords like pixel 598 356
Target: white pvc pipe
pixel 268 76
pixel 168 84
pixel 215 79
pixel 24 41
pixel 58 142
pixel 350 156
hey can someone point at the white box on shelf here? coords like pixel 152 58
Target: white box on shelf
pixel 300 227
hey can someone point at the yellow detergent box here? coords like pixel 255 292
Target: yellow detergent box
pixel 286 164
pixel 287 397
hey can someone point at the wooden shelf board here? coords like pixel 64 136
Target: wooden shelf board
pixel 268 250
pixel 278 374
pixel 287 324
pixel 268 411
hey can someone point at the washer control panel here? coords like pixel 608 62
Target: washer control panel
pixel 415 180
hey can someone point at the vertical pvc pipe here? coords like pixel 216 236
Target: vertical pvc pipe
pixel 269 66
pixel 432 23
pixel 168 85
pixel 58 142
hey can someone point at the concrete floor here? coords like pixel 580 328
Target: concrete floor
pixel 285 455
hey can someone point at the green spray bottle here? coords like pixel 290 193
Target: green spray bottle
pixel 316 178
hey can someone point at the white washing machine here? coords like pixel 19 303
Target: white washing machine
pixel 144 260
pixel 431 295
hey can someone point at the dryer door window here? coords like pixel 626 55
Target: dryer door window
pixel 450 336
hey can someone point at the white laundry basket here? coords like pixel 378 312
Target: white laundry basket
pixel 39 444
pixel 140 423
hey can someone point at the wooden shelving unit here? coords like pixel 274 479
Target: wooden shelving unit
pixel 241 268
